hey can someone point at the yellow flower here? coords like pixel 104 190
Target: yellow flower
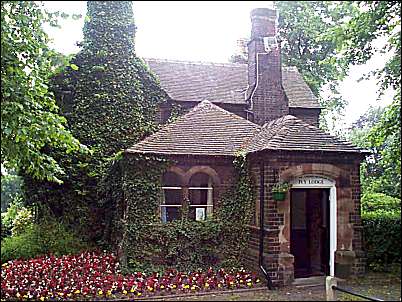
pixel 241 281
pixel 219 285
pixel 109 292
pixel 139 294
pixel 150 288
pixel 258 280
pixel 77 291
pixel 174 286
pixel 132 290
pixel 249 284
pixel 125 292
pixel 206 285
pixel 42 298
pixel 100 293
pixel 162 287
pixel 18 295
pixel 69 294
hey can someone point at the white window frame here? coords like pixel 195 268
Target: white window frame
pixel 163 205
pixel 210 200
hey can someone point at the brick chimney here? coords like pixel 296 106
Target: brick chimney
pixel 265 95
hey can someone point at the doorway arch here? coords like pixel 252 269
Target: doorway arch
pixel 313 181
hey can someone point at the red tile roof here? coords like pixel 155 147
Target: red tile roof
pixel 222 82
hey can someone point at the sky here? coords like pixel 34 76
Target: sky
pixel 207 31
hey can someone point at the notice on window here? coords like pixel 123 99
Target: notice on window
pixel 199 214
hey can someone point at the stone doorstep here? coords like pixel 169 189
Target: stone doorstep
pixel 188 295
pixel 309 282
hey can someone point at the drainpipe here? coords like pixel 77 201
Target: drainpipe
pixel 260 256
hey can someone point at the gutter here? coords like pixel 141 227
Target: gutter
pixel 262 233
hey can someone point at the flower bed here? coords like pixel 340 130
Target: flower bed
pixel 92 275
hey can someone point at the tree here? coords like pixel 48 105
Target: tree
pixel 303 31
pixel 378 175
pixel 30 120
pixel 357 42
pixel 110 100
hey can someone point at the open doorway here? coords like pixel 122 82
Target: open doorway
pixel 309 238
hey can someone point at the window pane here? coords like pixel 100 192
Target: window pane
pixel 170 213
pixel 198 196
pixel 172 196
pixel 200 180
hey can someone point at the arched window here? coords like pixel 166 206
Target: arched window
pixel 172 196
pixel 200 196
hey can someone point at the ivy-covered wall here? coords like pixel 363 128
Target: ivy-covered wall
pixel 110 99
pixel 146 243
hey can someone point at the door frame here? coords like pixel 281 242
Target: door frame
pixel 309 181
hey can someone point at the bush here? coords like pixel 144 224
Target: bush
pixel 22 221
pixel 40 239
pixel 372 202
pixel 8 217
pixel 382 238
pixel 183 244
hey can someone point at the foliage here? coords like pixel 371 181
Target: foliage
pixel 373 202
pixel 109 99
pixel 11 189
pixel 357 41
pixel 136 211
pixel 39 239
pixel 22 221
pixel 184 244
pixel 30 121
pixel 281 187
pixel 303 30
pixel 357 37
pixel 380 172
pixel 382 238
pixel 381 218
pixel 8 217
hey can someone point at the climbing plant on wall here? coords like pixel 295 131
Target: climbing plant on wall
pixel 109 99
pixel 146 243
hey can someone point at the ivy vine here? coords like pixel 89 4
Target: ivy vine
pixel 146 243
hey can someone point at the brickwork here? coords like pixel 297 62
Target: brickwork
pixel 278 166
pixel 309 115
pixel 266 94
pixel 220 169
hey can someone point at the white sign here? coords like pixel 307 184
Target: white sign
pixel 199 214
pixel 311 181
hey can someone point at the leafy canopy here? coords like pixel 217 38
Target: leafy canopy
pixel 357 41
pixel 30 120
pixel 110 100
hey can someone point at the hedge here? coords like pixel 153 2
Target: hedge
pixel 382 237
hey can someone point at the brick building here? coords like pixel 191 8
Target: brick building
pixel 269 112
